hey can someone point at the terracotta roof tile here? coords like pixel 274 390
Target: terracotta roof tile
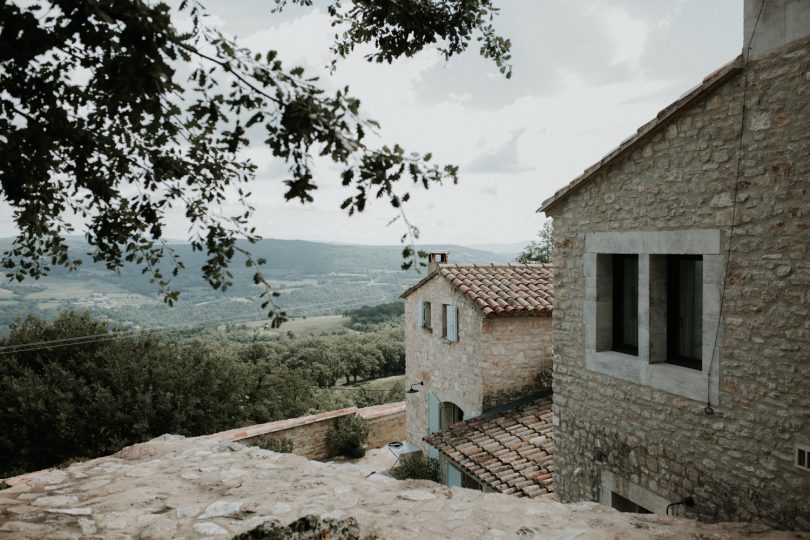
pixel 511 452
pixel 501 289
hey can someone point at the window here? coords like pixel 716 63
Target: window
pixel 625 304
pixel 623 504
pixel 449 322
pixel 652 308
pixel 455 477
pixel 803 458
pixel 451 414
pixel 426 315
pixel 685 310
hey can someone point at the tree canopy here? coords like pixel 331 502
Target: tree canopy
pixel 540 250
pixel 113 116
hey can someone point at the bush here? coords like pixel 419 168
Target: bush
pixel 417 468
pixel 282 445
pixel 347 432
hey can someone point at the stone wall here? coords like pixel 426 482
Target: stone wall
pixel 738 463
pixel 519 356
pixel 495 360
pixel 308 433
pixel 450 370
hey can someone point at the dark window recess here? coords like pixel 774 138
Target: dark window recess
pixel 470 482
pixel 625 304
pixel 623 504
pixel 426 315
pixel 803 458
pixel 451 414
pixel 444 320
pixel 685 310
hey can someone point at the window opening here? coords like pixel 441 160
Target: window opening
pixel 625 304
pixel 685 310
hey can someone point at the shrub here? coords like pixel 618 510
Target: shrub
pixel 282 445
pixel 347 432
pixel 95 398
pixel 417 468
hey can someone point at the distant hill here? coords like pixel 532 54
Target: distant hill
pixel 313 277
pixel 509 251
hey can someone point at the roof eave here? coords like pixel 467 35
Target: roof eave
pixel 709 83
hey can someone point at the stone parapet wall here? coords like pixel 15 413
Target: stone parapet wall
pixel 308 433
pixel 738 463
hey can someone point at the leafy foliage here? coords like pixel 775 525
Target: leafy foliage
pixel 282 445
pixel 110 113
pixel 540 250
pixel 348 432
pixel 368 318
pixel 109 391
pixel 417 468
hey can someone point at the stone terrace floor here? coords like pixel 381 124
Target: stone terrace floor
pixel 173 487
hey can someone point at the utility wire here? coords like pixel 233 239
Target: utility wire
pixel 709 409
pixel 97 338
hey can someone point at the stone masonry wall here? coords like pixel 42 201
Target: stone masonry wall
pixel 308 433
pixel 518 353
pixel 452 371
pixel 738 462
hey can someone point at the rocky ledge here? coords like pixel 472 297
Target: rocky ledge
pixel 173 487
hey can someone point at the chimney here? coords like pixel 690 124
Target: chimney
pixel 780 22
pixel 435 258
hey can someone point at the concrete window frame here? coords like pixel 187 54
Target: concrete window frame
pixel 649 367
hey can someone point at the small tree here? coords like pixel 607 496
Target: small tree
pixel 347 433
pixel 540 250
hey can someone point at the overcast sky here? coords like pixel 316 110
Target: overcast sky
pixel 587 73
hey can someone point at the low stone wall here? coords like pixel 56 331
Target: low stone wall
pixel 308 433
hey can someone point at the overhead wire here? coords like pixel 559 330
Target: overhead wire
pixel 168 330
pixel 709 409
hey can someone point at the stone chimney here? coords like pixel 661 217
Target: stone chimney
pixel 435 258
pixel 780 22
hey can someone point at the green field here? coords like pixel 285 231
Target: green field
pixel 301 326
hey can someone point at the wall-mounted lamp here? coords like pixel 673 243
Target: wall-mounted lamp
pixel 413 390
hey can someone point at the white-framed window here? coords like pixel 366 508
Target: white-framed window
pixel 449 322
pixel 652 308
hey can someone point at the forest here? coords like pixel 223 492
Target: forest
pixel 77 387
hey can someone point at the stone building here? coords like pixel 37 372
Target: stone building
pixel 682 286
pixel 476 336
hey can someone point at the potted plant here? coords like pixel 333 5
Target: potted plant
pixel 348 436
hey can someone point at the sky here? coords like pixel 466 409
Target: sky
pixel 587 74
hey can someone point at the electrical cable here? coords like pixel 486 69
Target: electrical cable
pixel 97 338
pixel 708 409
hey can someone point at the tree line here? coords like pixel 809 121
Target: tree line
pixel 98 395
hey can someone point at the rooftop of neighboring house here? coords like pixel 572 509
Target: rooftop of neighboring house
pixel 509 448
pixel 499 289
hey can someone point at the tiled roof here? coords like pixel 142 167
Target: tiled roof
pixel 511 452
pixel 501 289
pixel 712 81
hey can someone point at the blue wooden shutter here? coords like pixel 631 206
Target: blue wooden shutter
pixel 452 323
pixel 453 478
pixel 434 420
pixel 420 313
